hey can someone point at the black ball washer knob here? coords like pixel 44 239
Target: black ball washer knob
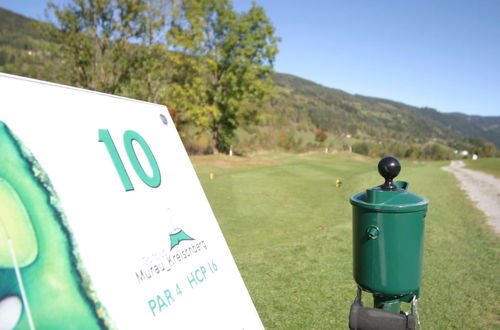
pixel 389 168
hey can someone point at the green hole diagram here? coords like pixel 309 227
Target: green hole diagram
pixel 57 288
pixel 15 224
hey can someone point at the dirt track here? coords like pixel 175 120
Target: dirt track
pixel 482 188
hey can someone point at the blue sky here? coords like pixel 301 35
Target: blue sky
pixel 442 54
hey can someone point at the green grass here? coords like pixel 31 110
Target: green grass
pixel 488 165
pixel 289 229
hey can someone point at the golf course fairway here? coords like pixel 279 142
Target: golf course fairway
pixel 289 228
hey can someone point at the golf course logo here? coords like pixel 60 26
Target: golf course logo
pixel 180 251
pixel 177 236
pixel 180 248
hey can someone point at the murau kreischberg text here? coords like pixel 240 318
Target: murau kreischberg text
pixel 164 261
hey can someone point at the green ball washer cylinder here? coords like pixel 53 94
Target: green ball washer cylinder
pixel 388 236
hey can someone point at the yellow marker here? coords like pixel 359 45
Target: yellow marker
pixel 211 175
pixel 338 183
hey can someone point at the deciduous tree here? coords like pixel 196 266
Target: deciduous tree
pixel 488 150
pixel 101 39
pixel 235 53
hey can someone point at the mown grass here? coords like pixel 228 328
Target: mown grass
pixel 488 165
pixel 289 229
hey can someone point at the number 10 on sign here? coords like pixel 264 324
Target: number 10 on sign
pixel 153 180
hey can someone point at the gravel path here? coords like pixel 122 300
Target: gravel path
pixel 482 188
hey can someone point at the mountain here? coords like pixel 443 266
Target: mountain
pixel 19 32
pixel 336 111
pixel 25 51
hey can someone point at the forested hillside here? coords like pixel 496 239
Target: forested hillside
pixel 26 51
pixel 378 120
pixel 299 115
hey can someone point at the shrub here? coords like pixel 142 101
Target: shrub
pixel 361 148
pixel 320 136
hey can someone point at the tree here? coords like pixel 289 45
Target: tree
pixel 413 152
pixel 488 150
pixel 151 75
pixel 437 151
pixel 101 39
pixel 320 136
pixel 187 89
pixel 362 148
pixel 234 53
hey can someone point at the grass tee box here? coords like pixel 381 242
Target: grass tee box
pixel 103 222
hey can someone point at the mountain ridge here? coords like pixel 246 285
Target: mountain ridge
pixel 336 108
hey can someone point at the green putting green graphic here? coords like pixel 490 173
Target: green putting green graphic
pixel 15 225
pixel 39 264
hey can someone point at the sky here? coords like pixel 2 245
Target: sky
pixel 441 54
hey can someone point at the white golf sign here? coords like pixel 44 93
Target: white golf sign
pixel 103 222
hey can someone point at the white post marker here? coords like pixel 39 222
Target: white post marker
pixel 125 236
